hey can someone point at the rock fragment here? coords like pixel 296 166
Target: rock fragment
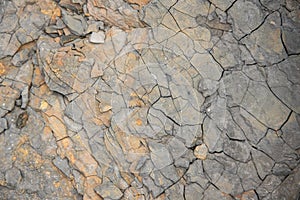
pixel 108 190
pixel 97 37
pixel 201 151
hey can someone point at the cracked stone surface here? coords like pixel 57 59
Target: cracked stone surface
pixel 148 99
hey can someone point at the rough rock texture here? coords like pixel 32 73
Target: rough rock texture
pixel 148 99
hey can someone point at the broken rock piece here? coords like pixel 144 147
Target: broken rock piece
pixel 97 37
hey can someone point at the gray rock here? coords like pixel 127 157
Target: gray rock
pixel 291 27
pixel 279 151
pixel 3 124
pixel 193 191
pixel 222 4
pixel 8 97
pixel 268 186
pixel 251 127
pixel 284 80
pixel 8 23
pixel 160 180
pixel 21 57
pixel 13 176
pixel 97 37
pixel 76 23
pixel 245 11
pixel 267 108
pixel 212 193
pixel 208 87
pixel 213 173
pixel 176 148
pixel 236 84
pixel 155 190
pixel 4 41
pixel 230 184
pixel 290 187
pixel 108 190
pixel 249 195
pixel 233 130
pixel 74 112
pixel 272 5
pixel 221 49
pixel 281 169
pixel 25 97
pixel 262 162
pixel 291 131
pixel 265 42
pixel 170 173
pixel 62 165
pixel 160 155
pixel 207 66
pixel 237 150
pixel 249 177
pixel 212 136
pixel 195 174
pixel 175 192
pixel 182 162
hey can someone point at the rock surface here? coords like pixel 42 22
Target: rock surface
pixel 148 99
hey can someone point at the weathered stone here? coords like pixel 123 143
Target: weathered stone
pixel 25 97
pixel 212 136
pixel 262 162
pixel 281 169
pixel 215 172
pixel 289 189
pixel 237 150
pixel 252 128
pixel 212 193
pixel 195 174
pixel 268 109
pixel 62 165
pixel 236 84
pixel 220 52
pixel 21 57
pixel 245 11
pixel 13 176
pixel 178 100
pixel 265 42
pixel 233 131
pixel 223 5
pixel 8 97
pixel 291 26
pixel 249 195
pixel 160 180
pixel 283 79
pixel 176 191
pixel 230 184
pixel 76 23
pixel 208 87
pixel 118 14
pixel 201 151
pixel 193 191
pixel 206 66
pixel 291 131
pixel 9 45
pixel 279 151
pixel 97 37
pixel 3 124
pixel 160 155
pixel 268 186
pixel 155 190
pixel 249 177
pixel 9 23
pixel 176 148
pixel 108 190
